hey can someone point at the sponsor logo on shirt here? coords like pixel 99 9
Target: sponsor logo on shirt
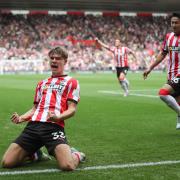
pixel 57 87
pixel 174 48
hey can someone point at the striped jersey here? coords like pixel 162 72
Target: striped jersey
pixel 52 94
pixel 120 56
pixel 171 45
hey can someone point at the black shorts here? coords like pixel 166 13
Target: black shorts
pixel 175 84
pixel 38 134
pixel 120 70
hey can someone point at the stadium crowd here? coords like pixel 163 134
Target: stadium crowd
pixel 29 37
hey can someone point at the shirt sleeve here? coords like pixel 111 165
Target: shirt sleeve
pixel 74 91
pixel 37 94
pixel 128 50
pixel 165 45
pixel 112 49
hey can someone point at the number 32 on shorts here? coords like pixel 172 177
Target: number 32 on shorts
pixel 58 135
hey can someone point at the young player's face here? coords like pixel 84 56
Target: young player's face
pixel 57 64
pixel 117 42
pixel 175 24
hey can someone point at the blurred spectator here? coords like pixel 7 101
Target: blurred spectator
pixel 29 37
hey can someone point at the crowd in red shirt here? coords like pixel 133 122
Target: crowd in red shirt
pixel 29 37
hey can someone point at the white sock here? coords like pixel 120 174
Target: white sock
pixel 127 82
pixel 124 85
pixel 171 102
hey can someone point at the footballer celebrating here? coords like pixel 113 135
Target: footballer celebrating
pixel 55 101
pixel 121 62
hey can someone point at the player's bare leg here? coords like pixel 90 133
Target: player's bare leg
pixel 67 159
pixel 14 156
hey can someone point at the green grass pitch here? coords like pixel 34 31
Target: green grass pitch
pixel 109 128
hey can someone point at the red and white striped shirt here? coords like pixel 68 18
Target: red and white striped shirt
pixel 171 45
pixel 52 94
pixel 120 56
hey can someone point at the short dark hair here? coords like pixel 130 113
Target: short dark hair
pixel 60 51
pixel 175 15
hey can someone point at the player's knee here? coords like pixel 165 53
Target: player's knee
pixel 121 79
pixel 67 166
pixel 5 163
pixel 163 92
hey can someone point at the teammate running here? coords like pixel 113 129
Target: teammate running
pixel 55 100
pixel 121 62
pixel 170 92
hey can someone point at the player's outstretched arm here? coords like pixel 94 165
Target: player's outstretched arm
pixel 133 54
pixel 158 60
pixel 102 44
pixel 16 118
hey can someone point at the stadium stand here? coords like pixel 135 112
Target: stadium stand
pixel 29 35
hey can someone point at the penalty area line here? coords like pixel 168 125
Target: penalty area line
pixel 105 167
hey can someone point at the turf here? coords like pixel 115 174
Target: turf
pixel 109 128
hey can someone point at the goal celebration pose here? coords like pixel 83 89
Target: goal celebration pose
pixel 55 100
pixel 121 62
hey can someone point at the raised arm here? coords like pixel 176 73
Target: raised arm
pixel 159 59
pixel 133 53
pixel 102 44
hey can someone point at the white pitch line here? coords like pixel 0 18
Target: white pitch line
pixel 143 95
pixel 131 165
pixel 130 94
pixel 28 172
pixel 142 90
pixel 113 166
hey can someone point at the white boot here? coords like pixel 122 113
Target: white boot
pixel 178 123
